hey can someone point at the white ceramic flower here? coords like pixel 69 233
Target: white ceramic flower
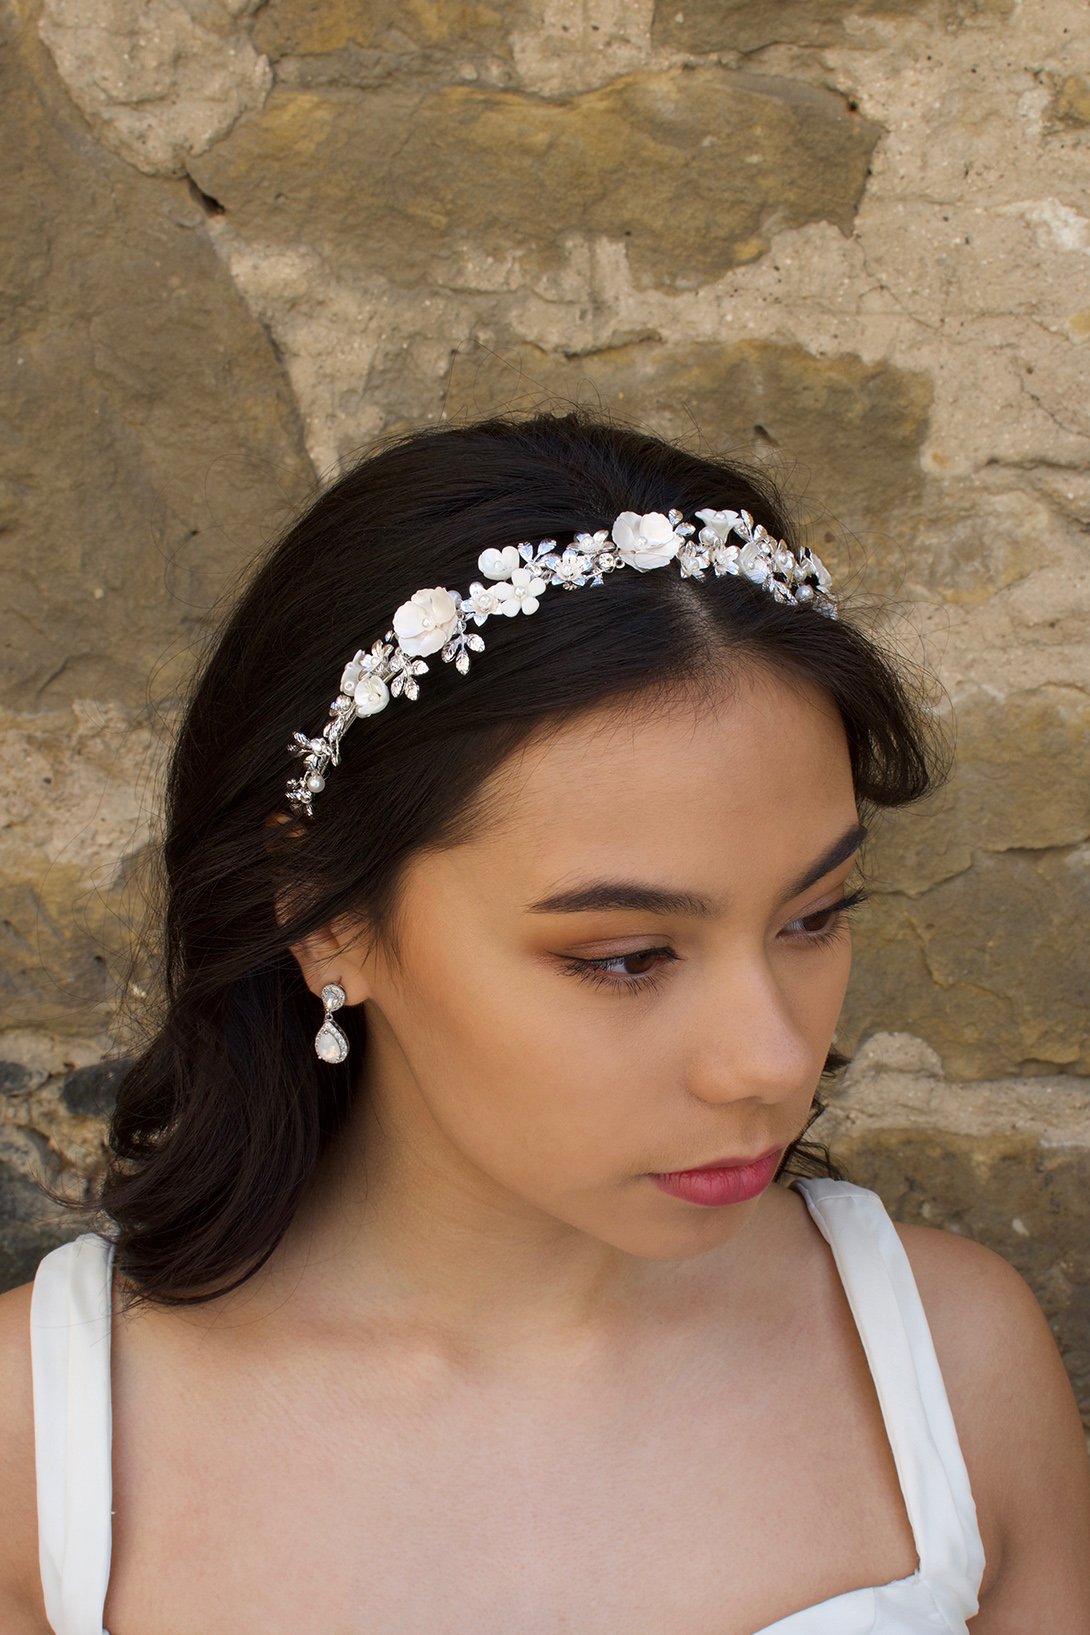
pixel 753 562
pixel 362 663
pixel 521 593
pixel 426 622
pixel 371 694
pixel 718 525
pixel 648 541
pixel 499 564
pixel 351 674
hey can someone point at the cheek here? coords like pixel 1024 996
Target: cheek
pixel 522 1080
pixel 819 987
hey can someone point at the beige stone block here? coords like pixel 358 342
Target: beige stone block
pixel 741 25
pixel 989 966
pixel 154 443
pixel 395 29
pixel 690 171
pixel 157 82
pixel 1018 783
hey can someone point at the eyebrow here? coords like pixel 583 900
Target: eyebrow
pixel 602 895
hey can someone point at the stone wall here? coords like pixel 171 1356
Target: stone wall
pixel 853 240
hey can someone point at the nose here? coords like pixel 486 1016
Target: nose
pixel 753 1038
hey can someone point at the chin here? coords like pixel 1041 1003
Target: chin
pixel 696 1231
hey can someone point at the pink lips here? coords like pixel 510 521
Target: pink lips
pixel 724 1183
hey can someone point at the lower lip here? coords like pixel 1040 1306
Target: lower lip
pixel 720 1186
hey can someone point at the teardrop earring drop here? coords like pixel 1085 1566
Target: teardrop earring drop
pixel 329 1042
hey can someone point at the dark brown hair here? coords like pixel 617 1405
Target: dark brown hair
pixel 223 1112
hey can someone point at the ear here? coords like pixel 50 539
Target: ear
pixel 323 955
pixel 322 959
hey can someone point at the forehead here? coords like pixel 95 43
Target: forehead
pixel 747 780
pixel 755 746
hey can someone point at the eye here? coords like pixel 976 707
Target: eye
pixel 601 972
pixel 812 930
pixel 825 924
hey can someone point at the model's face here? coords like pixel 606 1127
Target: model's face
pixel 547 1059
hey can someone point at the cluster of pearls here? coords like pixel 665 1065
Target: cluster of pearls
pixel 437 620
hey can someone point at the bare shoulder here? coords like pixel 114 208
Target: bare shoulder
pixel 1019 1429
pixel 21 1605
pixel 973 1297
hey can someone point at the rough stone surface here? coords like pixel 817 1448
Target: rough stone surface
pixel 79 790
pixel 738 25
pixel 851 240
pixel 345 43
pixel 152 438
pixel 159 83
pixel 32 1225
pixel 93 1090
pixel 710 159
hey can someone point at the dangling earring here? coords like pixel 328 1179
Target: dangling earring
pixel 329 1042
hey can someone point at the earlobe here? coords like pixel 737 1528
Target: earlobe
pixel 322 960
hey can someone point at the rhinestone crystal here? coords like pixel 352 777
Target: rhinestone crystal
pixel 330 1043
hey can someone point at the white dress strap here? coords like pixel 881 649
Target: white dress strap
pixel 885 1302
pixel 70 1335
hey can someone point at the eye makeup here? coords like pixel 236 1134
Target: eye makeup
pixel 602 973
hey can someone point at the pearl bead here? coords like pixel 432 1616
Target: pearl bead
pixel 315 783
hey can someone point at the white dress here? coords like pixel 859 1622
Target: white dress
pixel 70 1323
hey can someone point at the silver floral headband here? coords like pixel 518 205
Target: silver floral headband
pixel 438 619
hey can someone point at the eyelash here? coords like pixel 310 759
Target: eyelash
pixel 596 971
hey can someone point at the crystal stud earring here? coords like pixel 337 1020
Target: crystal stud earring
pixel 329 1042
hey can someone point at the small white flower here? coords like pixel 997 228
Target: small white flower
pixel 499 564
pixel 481 601
pixel 362 663
pixel 648 541
pixel 426 621
pixel 571 567
pixel 371 694
pixel 351 674
pixel 521 594
pixel 718 526
pixel 725 559
pixel 692 559
pixel 753 562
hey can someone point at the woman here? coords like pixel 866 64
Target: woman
pixel 504 1293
